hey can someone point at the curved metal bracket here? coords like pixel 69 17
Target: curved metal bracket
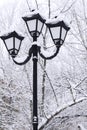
pixel 31 51
pixel 26 60
pixel 50 57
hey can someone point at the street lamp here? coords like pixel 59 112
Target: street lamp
pixel 12 42
pixel 58 31
pixel 35 23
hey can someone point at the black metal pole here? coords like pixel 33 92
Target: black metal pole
pixel 35 58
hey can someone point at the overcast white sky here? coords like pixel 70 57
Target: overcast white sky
pixel 3 2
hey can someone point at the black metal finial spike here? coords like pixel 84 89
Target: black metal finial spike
pixel 32 10
pixel 55 16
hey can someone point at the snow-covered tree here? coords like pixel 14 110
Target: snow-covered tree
pixel 62 81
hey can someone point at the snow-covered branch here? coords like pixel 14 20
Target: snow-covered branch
pixel 62 108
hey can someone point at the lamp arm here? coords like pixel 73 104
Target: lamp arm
pixel 22 63
pixel 26 60
pixel 50 57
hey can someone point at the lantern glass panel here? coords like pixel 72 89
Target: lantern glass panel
pixel 32 25
pixel 63 34
pixel 55 32
pixel 9 43
pixel 40 24
pixel 17 43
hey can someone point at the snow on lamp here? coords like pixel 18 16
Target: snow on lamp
pixel 34 22
pixel 58 31
pixel 12 42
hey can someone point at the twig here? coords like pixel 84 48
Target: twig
pixel 60 110
pixel 50 83
pixel 36 4
pixel 28 5
pixel 71 90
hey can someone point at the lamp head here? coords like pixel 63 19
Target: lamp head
pixel 34 22
pixel 58 31
pixel 12 42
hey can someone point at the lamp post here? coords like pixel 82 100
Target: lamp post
pixel 35 22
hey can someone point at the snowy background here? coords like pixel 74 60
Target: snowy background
pixel 62 81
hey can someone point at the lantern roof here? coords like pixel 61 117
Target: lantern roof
pixel 12 34
pixel 34 15
pixel 55 23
